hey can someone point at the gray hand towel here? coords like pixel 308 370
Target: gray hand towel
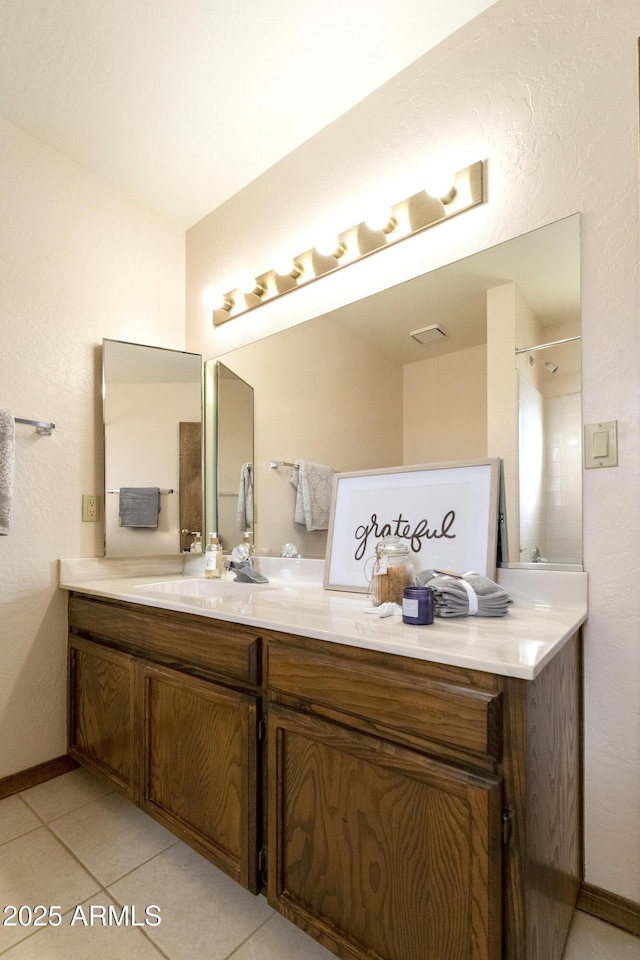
pixel 7 462
pixel 467 595
pixel 314 486
pixel 139 506
pixel 244 515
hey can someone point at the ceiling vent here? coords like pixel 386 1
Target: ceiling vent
pixel 431 334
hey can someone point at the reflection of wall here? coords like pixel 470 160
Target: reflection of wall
pixel 510 324
pixel 142 450
pixel 531 468
pixel 563 479
pixel 445 407
pixel 235 447
pixel 298 391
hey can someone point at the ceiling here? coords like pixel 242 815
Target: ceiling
pixel 545 265
pixel 181 103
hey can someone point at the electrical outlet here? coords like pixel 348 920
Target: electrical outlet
pixel 90 508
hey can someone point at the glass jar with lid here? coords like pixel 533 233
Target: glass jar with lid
pixel 392 571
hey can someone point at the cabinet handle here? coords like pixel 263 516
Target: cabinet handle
pixel 507 821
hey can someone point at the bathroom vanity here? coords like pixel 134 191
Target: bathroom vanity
pixel 398 792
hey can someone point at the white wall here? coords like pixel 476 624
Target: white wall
pixel 445 407
pixel 547 93
pixel 78 262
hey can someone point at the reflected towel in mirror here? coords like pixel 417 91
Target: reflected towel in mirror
pixel 139 506
pixel 7 462
pixel 244 517
pixel 314 486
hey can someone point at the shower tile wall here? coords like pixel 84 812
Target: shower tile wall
pixel 563 478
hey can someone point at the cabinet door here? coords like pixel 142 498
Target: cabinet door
pixel 199 759
pixel 101 705
pixel 378 850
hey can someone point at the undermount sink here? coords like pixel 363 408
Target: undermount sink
pixel 201 588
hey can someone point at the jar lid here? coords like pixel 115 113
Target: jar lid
pixel 393 545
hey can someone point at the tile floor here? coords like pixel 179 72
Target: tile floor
pixel 75 845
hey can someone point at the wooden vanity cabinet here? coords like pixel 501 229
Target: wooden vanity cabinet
pixel 101 717
pixel 166 707
pixel 412 810
pixel 417 810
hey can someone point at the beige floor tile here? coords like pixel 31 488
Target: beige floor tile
pixel 36 869
pixel 204 913
pixel 591 939
pixel 111 836
pixel 15 819
pixel 97 939
pixel 279 939
pixel 65 793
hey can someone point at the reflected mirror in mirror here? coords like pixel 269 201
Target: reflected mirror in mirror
pixel 152 407
pixel 229 490
pixel 427 372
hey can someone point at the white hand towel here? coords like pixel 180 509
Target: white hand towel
pixel 314 486
pixel 7 461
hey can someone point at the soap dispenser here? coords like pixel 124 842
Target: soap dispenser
pixel 196 546
pixel 247 541
pixel 213 558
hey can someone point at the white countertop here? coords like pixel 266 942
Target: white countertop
pixel 547 609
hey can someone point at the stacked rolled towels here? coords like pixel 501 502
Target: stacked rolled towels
pixel 466 595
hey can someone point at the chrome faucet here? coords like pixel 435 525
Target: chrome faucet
pixel 244 571
pixel 535 555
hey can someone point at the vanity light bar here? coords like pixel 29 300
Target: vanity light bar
pixel 406 218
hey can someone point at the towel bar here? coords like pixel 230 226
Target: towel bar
pixel 162 491
pixel 280 463
pixel 41 426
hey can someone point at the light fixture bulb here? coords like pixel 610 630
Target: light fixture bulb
pixel 439 183
pixel 214 299
pixel 249 285
pixel 381 219
pixel 287 267
pixel 330 246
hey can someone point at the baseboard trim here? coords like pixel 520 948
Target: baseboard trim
pixel 609 907
pixel 34 775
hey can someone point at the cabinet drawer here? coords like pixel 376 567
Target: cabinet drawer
pixel 172 638
pixel 464 717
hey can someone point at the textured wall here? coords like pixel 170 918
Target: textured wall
pixel 78 262
pixel 547 91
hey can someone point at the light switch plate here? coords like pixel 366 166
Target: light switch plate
pixel 601 444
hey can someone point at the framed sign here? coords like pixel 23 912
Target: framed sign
pixel 446 512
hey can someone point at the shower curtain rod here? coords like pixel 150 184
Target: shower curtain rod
pixel 543 346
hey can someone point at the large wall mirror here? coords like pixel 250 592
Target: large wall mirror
pixel 359 389
pixel 152 404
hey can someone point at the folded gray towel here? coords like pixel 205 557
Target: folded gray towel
pixel 139 506
pixel 467 595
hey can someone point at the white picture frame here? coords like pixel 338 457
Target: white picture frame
pixel 447 512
